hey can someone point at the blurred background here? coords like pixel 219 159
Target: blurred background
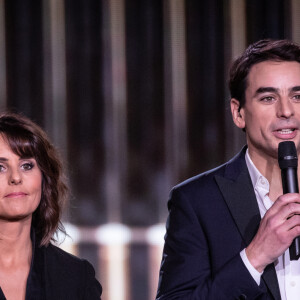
pixel 134 94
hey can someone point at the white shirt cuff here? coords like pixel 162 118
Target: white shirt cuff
pixel 254 273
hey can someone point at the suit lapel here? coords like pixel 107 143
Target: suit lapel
pixel 244 209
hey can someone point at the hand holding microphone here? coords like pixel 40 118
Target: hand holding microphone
pixel 280 226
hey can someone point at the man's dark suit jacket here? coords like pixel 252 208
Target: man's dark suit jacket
pixel 58 275
pixel 212 217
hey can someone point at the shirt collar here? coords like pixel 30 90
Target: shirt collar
pixel 256 177
pixel 260 184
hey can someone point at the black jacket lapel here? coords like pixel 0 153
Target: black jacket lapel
pixel 244 209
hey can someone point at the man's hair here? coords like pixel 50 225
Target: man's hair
pixel 263 50
pixel 27 140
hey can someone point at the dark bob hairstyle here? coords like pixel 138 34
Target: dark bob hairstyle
pixel 27 140
pixel 263 50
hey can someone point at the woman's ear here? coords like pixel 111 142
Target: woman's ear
pixel 237 113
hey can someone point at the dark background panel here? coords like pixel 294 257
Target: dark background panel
pixel 267 19
pixel 24 48
pixel 206 95
pixel 145 108
pixel 85 109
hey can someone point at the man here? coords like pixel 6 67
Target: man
pixel 229 229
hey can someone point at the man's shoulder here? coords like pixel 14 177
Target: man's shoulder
pixel 203 189
pixel 205 182
pixel 202 178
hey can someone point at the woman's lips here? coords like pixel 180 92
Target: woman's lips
pixel 15 195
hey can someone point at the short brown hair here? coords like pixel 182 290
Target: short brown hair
pixel 263 50
pixel 27 140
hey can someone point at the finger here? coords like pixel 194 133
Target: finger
pixel 283 220
pixel 289 210
pixel 294 232
pixel 281 202
pixel 287 198
pixel 287 231
pixel 292 223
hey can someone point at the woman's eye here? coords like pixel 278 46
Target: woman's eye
pixel 27 166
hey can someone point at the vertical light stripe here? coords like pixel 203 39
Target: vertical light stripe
pixel 238 27
pixel 3 91
pixel 176 93
pixel 114 240
pixel 55 71
pixel 294 13
pixel 237 33
pixel 115 105
pixel 155 240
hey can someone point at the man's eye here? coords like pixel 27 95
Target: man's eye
pixel 27 166
pixel 267 99
pixel 297 97
pixel 2 168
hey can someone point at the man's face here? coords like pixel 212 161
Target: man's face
pixel 271 113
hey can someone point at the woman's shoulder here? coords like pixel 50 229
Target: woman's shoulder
pixel 77 275
pixel 61 257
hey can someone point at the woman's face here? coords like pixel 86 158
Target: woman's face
pixel 20 185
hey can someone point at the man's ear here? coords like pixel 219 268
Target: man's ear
pixel 237 114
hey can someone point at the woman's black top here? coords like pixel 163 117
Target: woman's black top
pixel 57 275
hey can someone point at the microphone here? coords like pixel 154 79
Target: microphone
pixel 288 163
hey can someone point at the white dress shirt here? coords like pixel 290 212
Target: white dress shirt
pixel 288 272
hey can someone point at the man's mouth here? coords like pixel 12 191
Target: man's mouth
pixel 286 131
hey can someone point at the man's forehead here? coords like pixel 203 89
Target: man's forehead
pixel 268 65
pixel 274 74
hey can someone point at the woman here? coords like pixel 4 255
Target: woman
pixel 32 193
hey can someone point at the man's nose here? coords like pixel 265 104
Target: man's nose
pixel 285 108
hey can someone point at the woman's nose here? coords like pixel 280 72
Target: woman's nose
pixel 15 177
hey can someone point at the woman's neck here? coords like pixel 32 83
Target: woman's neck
pixel 15 244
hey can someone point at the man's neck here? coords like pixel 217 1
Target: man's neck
pixel 269 168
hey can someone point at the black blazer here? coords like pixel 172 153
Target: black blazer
pixel 212 217
pixel 64 276
pixel 57 275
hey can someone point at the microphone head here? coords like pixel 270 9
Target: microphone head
pixel 287 155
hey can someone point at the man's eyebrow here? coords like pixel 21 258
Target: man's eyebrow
pixel 3 159
pixel 295 88
pixel 266 90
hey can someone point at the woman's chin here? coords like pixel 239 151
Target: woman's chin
pixel 15 217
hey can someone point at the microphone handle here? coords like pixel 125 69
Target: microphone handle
pixel 290 185
pixel 289 180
